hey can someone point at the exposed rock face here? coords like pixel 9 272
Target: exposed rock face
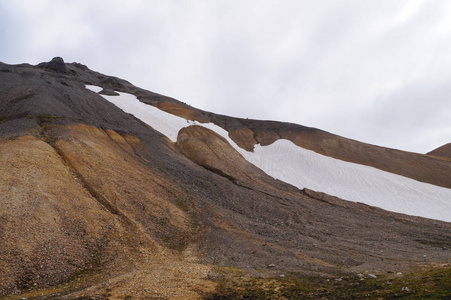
pixel 56 65
pixel 92 197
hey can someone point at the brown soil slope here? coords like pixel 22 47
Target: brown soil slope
pixel 94 203
pixel 46 227
pixel 86 211
pixel 443 151
pixel 89 208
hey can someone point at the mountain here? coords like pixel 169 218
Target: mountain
pixel 443 151
pixel 110 191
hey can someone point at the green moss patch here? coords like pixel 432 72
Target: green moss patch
pixel 425 283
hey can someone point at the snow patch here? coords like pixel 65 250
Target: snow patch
pixel 300 167
pixel 94 88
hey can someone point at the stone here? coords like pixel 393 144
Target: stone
pixel 56 65
pixel 108 92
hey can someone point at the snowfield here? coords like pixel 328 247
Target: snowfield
pixel 304 168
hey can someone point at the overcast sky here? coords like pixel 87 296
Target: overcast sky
pixel 372 70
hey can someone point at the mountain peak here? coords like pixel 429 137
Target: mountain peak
pixel 56 65
pixel 110 189
pixel 442 151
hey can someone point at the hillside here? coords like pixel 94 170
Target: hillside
pixel 98 202
pixel 443 151
pixel 303 168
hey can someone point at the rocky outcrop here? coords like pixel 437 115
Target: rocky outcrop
pixel 55 65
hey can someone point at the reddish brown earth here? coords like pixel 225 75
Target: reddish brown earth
pixel 443 151
pixel 96 204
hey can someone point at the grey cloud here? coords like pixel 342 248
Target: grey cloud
pixel 413 117
pixel 362 69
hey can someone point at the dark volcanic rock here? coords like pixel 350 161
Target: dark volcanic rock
pixel 108 92
pixel 55 65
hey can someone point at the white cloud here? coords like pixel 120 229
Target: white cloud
pixel 327 64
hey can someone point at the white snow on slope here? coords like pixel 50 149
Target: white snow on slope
pixel 304 168
pixel 94 88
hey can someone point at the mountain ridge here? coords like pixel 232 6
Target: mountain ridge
pixel 144 204
pixel 247 133
pixel 442 151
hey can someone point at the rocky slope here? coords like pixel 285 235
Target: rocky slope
pixel 96 203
